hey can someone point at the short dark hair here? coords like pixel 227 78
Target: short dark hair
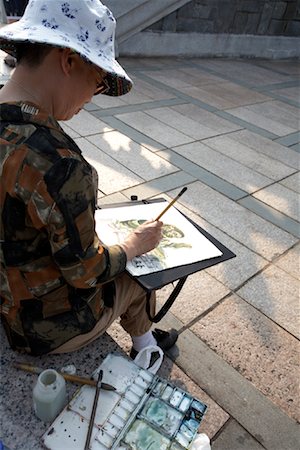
pixel 31 53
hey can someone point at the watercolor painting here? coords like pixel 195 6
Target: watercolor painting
pixel 182 243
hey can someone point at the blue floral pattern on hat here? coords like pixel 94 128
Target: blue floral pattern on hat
pixel 86 26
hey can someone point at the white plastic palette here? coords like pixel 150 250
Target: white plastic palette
pixel 145 412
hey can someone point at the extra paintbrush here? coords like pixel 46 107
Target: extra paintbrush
pixel 94 409
pixel 73 378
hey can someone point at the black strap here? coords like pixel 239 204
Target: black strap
pixel 169 302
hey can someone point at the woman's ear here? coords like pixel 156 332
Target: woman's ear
pixel 67 59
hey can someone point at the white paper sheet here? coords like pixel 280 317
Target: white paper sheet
pixel 182 243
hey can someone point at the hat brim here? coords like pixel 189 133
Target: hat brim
pixel 117 80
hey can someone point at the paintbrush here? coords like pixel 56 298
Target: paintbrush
pixel 94 409
pixel 171 203
pixel 73 378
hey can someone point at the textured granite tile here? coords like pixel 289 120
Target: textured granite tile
pixel 290 262
pixel 246 227
pixel 281 198
pixel 117 177
pixel 203 175
pixel 199 293
pixel 133 134
pixel 181 122
pixel 273 116
pixel 70 132
pixel 257 348
pixel 276 294
pixel 113 198
pixel 159 185
pixel 243 71
pixel 208 119
pixel 267 147
pixel 271 215
pixel 222 166
pixel 247 125
pixel 215 417
pixel 106 101
pixel 153 128
pixel 296 147
pixel 224 95
pixel 283 67
pixel 186 77
pixel 144 91
pixel 20 428
pixel 234 437
pixel 85 124
pixel 197 77
pixel 290 139
pixel 236 271
pixel 291 93
pixel 132 155
pixel 253 159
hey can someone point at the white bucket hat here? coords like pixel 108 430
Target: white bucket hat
pixel 85 26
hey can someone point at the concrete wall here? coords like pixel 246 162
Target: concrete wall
pixel 252 17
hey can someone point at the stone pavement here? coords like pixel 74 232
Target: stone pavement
pixel 229 130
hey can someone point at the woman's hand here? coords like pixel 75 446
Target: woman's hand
pixel 143 239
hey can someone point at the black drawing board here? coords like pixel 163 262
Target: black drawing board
pixel 157 280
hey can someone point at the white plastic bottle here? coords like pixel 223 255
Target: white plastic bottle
pixel 49 395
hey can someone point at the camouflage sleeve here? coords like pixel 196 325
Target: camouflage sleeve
pixel 83 260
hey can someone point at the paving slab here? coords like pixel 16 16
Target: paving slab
pixel 259 416
pixel 265 292
pixel 235 437
pixel 259 115
pixel 149 126
pixel 205 118
pixel 203 175
pixel 261 351
pixel 253 159
pixel 290 261
pixel 181 122
pixel 182 78
pixel 281 198
pixel 244 72
pixel 246 227
pixel 86 124
pixel 290 93
pixel 267 147
pixel 272 215
pixel 224 95
pixel 200 293
pixel 132 155
pixel 117 176
pixel 156 187
pixel 234 272
pixel 223 166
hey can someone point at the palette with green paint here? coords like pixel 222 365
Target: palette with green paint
pixel 145 412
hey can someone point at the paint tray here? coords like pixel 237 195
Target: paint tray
pixel 145 412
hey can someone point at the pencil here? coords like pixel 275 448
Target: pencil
pixel 171 203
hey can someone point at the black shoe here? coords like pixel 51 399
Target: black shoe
pixel 165 340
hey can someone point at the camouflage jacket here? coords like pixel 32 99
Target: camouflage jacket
pixel 52 262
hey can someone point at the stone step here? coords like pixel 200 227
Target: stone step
pixel 136 15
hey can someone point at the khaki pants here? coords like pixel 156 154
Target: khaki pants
pixel 129 304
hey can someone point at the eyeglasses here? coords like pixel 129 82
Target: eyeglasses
pixel 102 85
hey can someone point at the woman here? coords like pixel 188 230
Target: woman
pixel 61 287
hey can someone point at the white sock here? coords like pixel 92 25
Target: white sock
pixel 140 342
